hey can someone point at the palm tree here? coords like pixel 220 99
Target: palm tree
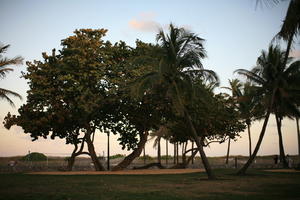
pixel 4 62
pixel 247 105
pixel 273 81
pixel 180 63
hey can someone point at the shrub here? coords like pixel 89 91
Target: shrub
pixel 147 157
pixel 117 156
pixel 34 156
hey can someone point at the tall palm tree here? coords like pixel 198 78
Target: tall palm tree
pixel 179 65
pixel 247 105
pixel 273 81
pixel 4 62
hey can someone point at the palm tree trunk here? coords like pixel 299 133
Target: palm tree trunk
pixel 281 147
pixel 288 48
pixel 177 153
pixel 228 149
pixel 249 135
pixel 198 142
pixel 174 160
pixel 298 134
pixel 187 116
pixel 243 170
pixel 137 152
pixel 144 154
pixel 167 153
pixel 108 154
pixel 193 152
pixel 158 151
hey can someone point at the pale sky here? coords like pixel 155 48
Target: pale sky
pixel 235 32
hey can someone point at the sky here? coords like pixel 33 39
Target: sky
pixel 235 33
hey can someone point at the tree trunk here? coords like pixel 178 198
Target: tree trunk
pixel 71 162
pixel 174 160
pixel 158 151
pixel 177 153
pixel 249 135
pixel 243 170
pixel 193 152
pixel 198 141
pixel 108 153
pixel 187 116
pixel 228 149
pixel 298 134
pixel 136 153
pixel 144 154
pixel 167 153
pixel 98 166
pixel 281 147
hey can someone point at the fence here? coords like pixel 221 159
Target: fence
pixel 59 163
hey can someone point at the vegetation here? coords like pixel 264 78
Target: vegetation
pixel 161 90
pixel 4 69
pixel 34 156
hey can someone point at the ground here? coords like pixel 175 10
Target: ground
pixel 124 172
pixel 258 184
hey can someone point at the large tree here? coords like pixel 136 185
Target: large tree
pixel 67 91
pixel 4 69
pixel 180 63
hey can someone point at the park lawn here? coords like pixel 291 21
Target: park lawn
pixel 257 185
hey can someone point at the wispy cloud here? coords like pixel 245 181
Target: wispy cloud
pixel 145 22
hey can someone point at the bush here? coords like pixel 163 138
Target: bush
pixel 34 156
pixel 117 156
pixel 147 157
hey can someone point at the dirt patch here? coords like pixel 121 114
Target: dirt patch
pixel 282 170
pixel 124 172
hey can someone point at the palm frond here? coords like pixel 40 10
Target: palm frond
pixel 5 93
pixel 251 76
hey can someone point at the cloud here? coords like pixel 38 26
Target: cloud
pixel 145 22
pixel 295 54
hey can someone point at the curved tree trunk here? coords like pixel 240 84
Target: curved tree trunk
pixel 250 143
pixel 228 150
pixel 136 153
pixel 281 147
pixel 98 166
pixel 243 170
pixel 199 142
pixel 298 135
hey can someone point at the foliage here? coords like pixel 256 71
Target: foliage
pixel 34 156
pixel 146 157
pixel 117 156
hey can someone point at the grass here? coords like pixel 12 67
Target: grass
pixel 257 185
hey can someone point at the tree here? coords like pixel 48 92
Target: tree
pixel 126 115
pixel 4 62
pixel 274 82
pixel 182 54
pixel 67 92
pixel 247 104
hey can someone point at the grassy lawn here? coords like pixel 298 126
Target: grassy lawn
pixel 257 185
